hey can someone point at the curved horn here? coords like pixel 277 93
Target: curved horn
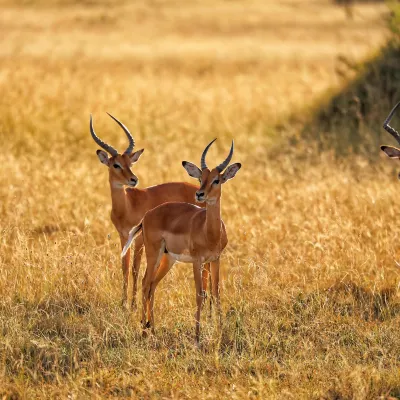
pixel 203 156
pixel 102 144
pixel 386 125
pixel 223 165
pixel 127 133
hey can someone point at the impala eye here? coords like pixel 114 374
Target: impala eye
pixel 116 166
pixel 216 182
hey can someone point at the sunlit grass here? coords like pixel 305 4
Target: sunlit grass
pixel 310 286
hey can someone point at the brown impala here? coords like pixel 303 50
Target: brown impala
pixel 186 233
pixel 392 152
pixel 129 204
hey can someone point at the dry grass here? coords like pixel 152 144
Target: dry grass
pixel 310 284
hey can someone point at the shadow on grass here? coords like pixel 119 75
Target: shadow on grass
pixel 350 2
pixel 281 329
pixel 348 299
pixel 351 121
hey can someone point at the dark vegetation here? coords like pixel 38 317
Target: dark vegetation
pixel 351 120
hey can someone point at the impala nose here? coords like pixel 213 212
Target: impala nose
pixel 133 181
pixel 199 196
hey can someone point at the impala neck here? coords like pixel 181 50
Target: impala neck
pixel 213 221
pixel 118 198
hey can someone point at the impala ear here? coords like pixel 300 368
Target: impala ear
pixel 192 169
pixel 103 157
pixel 230 172
pixel 136 155
pixel 391 152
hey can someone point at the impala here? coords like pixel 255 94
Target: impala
pixel 186 233
pixel 130 204
pixel 392 152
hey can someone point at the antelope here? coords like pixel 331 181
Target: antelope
pixel 392 152
pixel 130 204
pixel 186 233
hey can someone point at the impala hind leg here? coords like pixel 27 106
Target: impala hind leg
pixel 137 256
pixel 125 274
pixel 165 265
pixel 154 252
pixel 215 288
pixel 199 297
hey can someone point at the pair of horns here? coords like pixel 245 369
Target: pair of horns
pixel 388 128
pixel 106 146
pixel 221 166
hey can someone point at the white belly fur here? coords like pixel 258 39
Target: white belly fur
pixel 182 257
pixel 187 258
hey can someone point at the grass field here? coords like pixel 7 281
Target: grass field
pixel 310 283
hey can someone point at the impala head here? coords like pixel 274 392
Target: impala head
pixel 211 180
pixel 119 164
pixel 390 151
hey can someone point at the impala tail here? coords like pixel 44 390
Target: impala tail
pixel 135 231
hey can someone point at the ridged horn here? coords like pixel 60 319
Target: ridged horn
pixel 388 128
pixel 203 156
pixel 223 165
pixel 127 133
pixel 102 144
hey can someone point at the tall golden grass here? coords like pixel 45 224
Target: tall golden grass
pixel 310 286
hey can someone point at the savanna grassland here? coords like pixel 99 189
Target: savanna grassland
pixel 310 283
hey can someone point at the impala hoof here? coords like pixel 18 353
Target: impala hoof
pixel 145 329
pixel 147 325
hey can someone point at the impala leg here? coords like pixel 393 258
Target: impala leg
pixel 154 253
pixel 146 282
pixel 125 275
pixel 166 264
pixel 206 277
pixel 137 256
pixel 199 297
pixel 215 288
pixel 205 273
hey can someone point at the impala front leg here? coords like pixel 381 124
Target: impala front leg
pixel 125 276
pixel 137 256
pixel 215 287
pixel 206 276
pixel 199 297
